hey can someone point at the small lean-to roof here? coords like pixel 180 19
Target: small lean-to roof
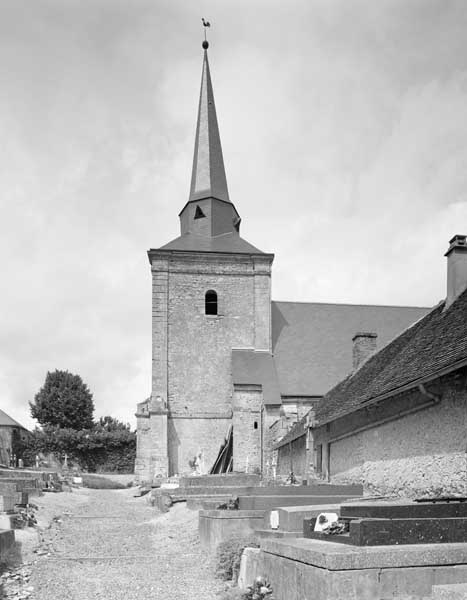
pixel 251 367
pixel 228 242
pixel 434 345
pixel 298 429
pixel 7 421
pixel 312 342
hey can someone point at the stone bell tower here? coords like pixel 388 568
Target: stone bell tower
pixel 210 294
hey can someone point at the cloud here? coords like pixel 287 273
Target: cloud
pixel 344 134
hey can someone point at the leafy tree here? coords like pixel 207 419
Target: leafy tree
pixel 63 401
pixel 109 423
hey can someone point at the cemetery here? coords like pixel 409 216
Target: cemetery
pixel 284 449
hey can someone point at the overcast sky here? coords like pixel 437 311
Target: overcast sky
pixel 344 130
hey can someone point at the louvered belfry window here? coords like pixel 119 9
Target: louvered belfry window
pixel 211 302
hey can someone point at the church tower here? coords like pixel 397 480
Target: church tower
pixel 211 294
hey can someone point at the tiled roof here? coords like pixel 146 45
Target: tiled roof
pixel 250 367
pixel 435 344
pixel 7 421
pixel 229 242
pixel 298 429
pixel 312 342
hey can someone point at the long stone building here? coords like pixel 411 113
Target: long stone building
pixel 397 423
pixel 223 354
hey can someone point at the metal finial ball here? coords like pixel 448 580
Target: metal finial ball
pixel 205 45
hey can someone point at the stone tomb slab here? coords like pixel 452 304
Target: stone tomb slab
pixel 404 510
pixel 382 532
pixel 303 568
pixel 291 517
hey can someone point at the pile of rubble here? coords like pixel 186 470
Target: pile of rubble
pixel 15 583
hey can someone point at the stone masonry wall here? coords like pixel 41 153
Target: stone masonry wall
pixel 273 429
pixel 160 279
pixel 418 454
pixel 247 403
pixel 194 349
pixel 188 437
pixel 292 457
pixel 151 447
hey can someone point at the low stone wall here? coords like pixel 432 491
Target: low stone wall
pixel 215 526
pixel 302 568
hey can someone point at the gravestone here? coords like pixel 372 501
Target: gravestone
pixel 397 523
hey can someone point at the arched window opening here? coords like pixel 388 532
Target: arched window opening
pixel 211 302
pixel 256 425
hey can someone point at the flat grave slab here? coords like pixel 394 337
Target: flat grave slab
pixel 404 510
pixel 269 502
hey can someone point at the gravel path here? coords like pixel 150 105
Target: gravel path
pixel 107 544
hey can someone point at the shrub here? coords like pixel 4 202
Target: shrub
pixel 229 554
pixel 101 483
pixel 92 449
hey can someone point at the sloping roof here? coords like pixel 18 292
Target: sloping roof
pixel 250 367
pixel 298 429
pixel 228 242
pixel 312 342
pixel 7 421
pixel 436 343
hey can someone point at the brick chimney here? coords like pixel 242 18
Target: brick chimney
pixel 364 344
pixel 457 268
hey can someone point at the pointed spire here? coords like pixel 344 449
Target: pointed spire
pixel 208 176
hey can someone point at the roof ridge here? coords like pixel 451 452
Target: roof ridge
pixel 356 304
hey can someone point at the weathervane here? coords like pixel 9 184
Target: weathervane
pixel 206 24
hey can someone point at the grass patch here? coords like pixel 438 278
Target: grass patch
pixel 96 482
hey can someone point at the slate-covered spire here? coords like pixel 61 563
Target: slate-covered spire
pixel 208 176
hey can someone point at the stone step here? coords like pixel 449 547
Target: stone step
pixel 211 491
pixel 205 502
pixel 227 479
pixel 309 490
pixel 270 502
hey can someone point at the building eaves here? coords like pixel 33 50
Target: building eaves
pixel 433 346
